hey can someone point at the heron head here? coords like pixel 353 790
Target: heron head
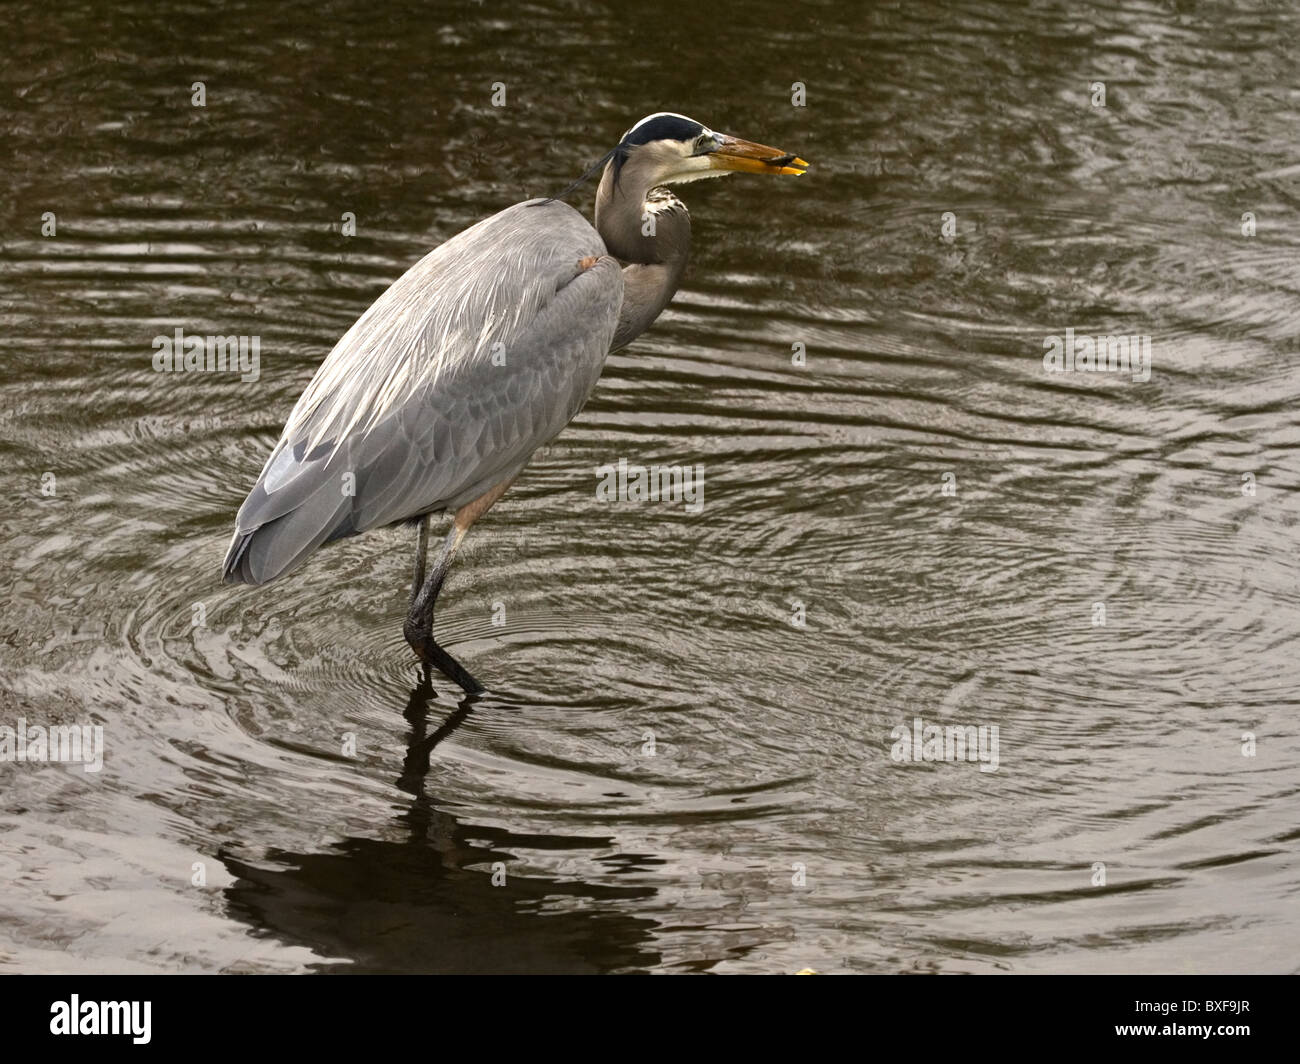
pixel 671 149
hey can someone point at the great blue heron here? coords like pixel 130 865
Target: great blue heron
pixel 481 352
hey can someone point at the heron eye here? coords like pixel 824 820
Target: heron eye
pixel 703 143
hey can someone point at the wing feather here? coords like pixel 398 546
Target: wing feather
pixel 475 357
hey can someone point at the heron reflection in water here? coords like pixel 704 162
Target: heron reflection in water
pixel 479 354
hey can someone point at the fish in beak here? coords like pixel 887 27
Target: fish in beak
pixel 732 153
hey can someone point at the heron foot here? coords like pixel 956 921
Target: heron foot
pixel 434 657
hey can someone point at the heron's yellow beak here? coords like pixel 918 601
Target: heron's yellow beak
pixel 733 153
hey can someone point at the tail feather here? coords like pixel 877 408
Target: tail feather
pixel 260 555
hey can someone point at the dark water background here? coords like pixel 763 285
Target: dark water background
pixel 1120 744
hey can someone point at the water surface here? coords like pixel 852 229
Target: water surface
pixel 771 830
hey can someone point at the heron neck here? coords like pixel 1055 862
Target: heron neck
pixel 649 230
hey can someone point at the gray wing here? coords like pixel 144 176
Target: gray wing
pixel 479 354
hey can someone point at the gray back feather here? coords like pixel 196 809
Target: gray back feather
pixel 476 356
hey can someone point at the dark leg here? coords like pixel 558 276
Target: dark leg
pixel 421 556
pixel 419 619
pixel 418 628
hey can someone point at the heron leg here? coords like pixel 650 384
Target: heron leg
pixel 421 556
pixel 418 628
